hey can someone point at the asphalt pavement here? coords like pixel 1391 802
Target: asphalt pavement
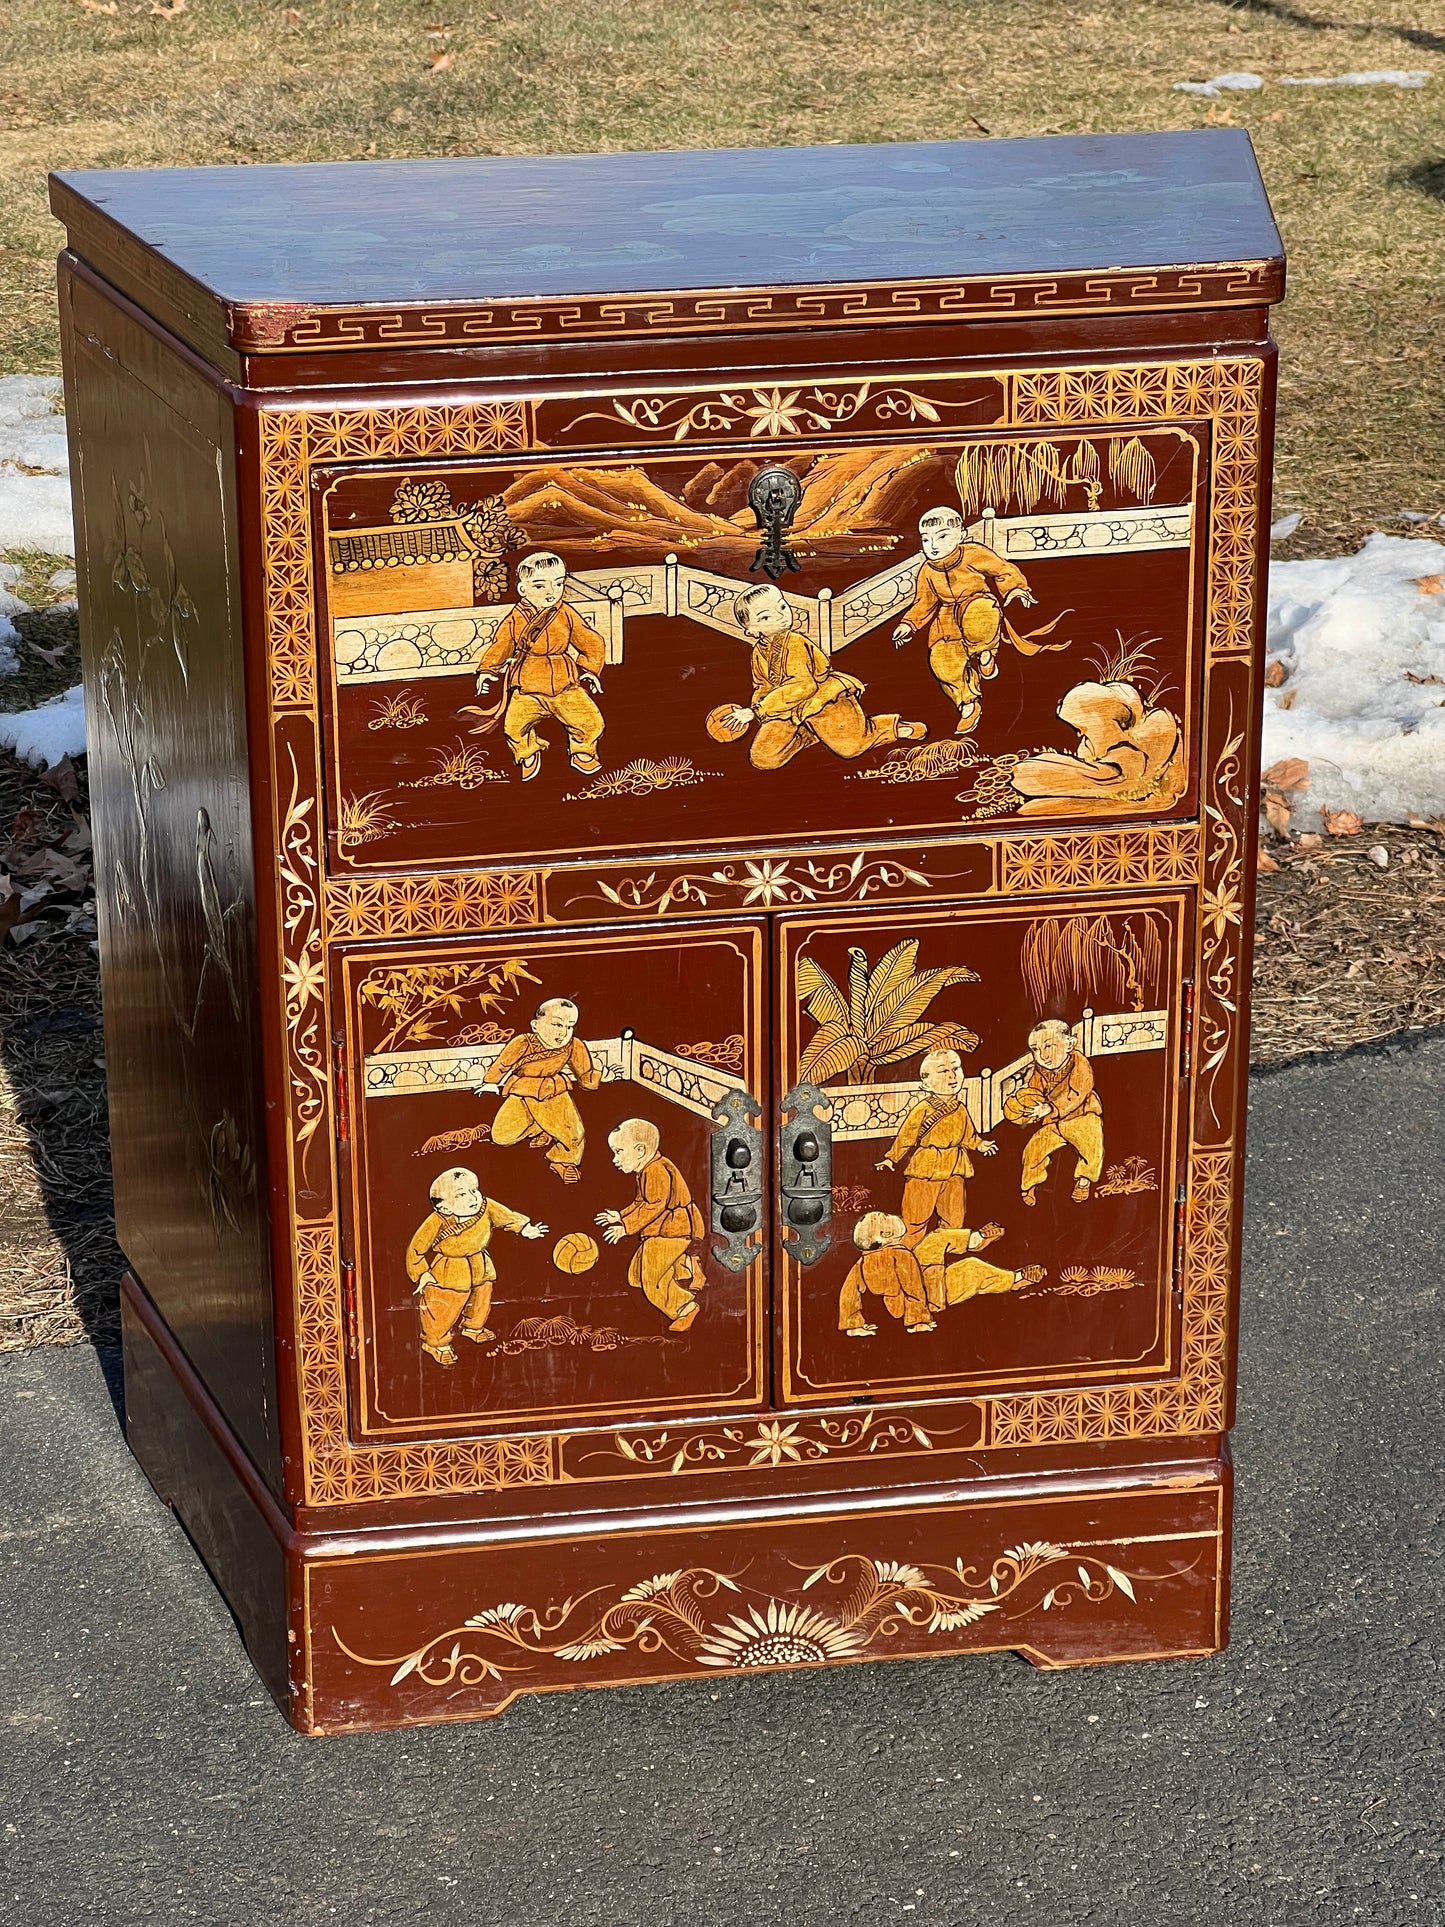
pixel 1295 1778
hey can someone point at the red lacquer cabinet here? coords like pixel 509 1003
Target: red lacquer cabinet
pixel 674 743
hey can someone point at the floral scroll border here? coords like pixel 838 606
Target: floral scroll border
pixel 860 1606
pixel 461 904
pixel 311 911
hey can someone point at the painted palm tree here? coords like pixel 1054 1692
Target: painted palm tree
pixel 879 1017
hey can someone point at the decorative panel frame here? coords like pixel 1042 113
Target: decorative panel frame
pixel 1225 392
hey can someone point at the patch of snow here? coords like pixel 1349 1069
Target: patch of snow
pixel 32 431
pixel 45 735
pixel 9 659
pixel 1377 77
pixel 1221 83
pixel 35 512
pixel 11 605
pixel 1286 525
pixel 1362 638
pixel 62 582
pixel 34 466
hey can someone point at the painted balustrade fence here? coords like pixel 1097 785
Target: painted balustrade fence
pixel 859 1110
pixel 389 647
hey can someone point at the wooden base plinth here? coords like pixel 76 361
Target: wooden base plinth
pixel 360 1628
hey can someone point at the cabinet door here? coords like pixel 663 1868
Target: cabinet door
pixel 1003 1094
pixel 530 1146
pixel 535 658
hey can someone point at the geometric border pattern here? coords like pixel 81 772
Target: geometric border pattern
pixel 298 328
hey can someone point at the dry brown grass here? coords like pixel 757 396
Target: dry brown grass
pixel 1357 175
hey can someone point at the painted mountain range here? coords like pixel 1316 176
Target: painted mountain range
pixel 858 502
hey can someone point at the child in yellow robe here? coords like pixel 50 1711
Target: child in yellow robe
pixel 1057 1098
pixel 933 1144
pixel 449 1264
pixel 798 696
pixel 886 1270
pixel 663 1219
pixel 953 1273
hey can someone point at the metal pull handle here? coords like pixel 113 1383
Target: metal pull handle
pixel 805 1172
pixel 737 1180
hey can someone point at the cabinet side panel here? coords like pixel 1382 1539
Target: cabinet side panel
pixel 153 468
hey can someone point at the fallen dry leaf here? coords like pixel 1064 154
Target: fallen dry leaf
pixel 1219 116
pixel 1288 699
pixel 1266 861
pixel 1309 841
pixel 1275 674
pixel 1341 822
pixel 64 872
pixel 1430 584
pixel 96 6
pixel 1291 773
pixel 170 12
pixel 440 63
pixel 1277 810
pixel 52 656
pixel 1278 114
pixel 60 777
pixel 1410 676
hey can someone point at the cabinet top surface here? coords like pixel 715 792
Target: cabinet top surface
pixel 518 228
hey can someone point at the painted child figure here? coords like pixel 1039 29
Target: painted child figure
pixel 449 1263
pixel 663 1219
pixel 548 659
pixel 798 696
pixel 953 1272
pixel 959 602
pixel 1058 1098
pixel 886 1270
pixel 934 1143
pixel 537 1072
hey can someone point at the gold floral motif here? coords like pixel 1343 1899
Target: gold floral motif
pixel 1221 919
pixel 866 1603
pixel 774 1442
pixel 776 412
pixel 764 883
pixel 302 967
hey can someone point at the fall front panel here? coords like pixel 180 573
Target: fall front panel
pixel 999 1091
pixel 534 1157
pixel 532 659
